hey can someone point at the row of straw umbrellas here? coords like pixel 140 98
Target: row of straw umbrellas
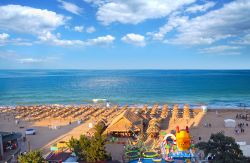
pixel 156 114
pixel 154 122
pixel 81 112
pixel 66 112
pixel 177 114
pixel 155 111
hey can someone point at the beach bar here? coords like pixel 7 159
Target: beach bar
pixel 125 125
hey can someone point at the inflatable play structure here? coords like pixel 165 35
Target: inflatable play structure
pixel 132 154
pixel 178 146
pixel 59 146
pixel 150 154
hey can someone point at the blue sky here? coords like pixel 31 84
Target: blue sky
pixel 118 34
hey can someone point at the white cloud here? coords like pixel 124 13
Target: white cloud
pixel 173 22
pixel 90 29
pixel 96 2
pixel 24 19
pixel 232 20
pixel 200 8
pixel 134 39
pixel 55 40
pixel 245 40
pixel 6 40
pixel 11 55
pixel 78 28
pixel 30 60
pixel 222 50
pixel 103 40
pixel 70 7
pixel 20 42
pixel 136 11
pixel 4 36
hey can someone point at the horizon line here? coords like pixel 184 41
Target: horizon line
pixel 148 69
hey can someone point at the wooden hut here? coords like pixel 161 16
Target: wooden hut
pixel 126 124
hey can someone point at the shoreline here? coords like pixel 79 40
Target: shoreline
pixel 139 106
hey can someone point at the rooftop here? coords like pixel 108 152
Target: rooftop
pixel 6 136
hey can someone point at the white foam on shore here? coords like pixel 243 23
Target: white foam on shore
pixel 181 105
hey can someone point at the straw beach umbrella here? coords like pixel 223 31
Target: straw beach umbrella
pixel 164 112
pixel 186 112
pixel 153 131
pixel 175 111
pixel 154 110
pixel 165 108
pixel 153 121
pixel 144 109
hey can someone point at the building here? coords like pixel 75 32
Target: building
pixel 125 125
pixel 9 145
pixel 58 157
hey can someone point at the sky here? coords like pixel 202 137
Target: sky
pixel 124 34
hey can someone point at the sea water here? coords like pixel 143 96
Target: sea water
pixel 215 88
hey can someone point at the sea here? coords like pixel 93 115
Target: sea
pixel 214 88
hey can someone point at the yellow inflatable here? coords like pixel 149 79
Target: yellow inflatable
pixel 61 144
pixel 183 139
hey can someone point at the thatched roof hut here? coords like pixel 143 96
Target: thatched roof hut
pixel 125 124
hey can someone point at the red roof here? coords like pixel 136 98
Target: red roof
pixel 60 156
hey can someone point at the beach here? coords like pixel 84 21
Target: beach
pixel 52 127
pixel 55 126
pixel 124 81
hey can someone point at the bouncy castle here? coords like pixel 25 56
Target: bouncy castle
pixel 178 146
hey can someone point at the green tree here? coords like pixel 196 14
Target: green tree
pixel 97 150
pixel 80 147
pixel 90 149
pixel 223 148
pixel 31 157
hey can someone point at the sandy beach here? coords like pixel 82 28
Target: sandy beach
pixel 54 127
